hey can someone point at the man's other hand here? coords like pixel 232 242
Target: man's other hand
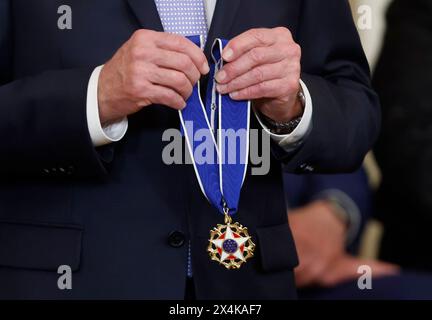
pixel 263 65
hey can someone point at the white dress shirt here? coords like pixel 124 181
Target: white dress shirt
pixel 115 132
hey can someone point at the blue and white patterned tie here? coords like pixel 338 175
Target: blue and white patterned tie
pixel 185 17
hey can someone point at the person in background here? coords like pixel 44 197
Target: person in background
pixel 327 214
pixel 403 79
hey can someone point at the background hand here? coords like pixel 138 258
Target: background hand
pixel 320 239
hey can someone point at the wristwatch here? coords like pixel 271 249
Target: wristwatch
pixel 282 128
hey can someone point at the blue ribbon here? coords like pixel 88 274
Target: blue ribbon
pixel 217 134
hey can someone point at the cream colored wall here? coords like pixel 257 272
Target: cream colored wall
pixel 372 42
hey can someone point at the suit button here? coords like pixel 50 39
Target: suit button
pixel 70 170
pixel 307 168
pixel 176 239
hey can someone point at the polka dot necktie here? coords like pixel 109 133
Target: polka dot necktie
pixel 185 17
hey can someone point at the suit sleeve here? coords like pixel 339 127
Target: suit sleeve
pixel 346 114
pixel 43 126
pixel 355 185
pixel 303 189
pixel 352 191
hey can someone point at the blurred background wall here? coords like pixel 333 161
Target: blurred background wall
pixel 371 38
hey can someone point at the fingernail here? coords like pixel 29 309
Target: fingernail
pixel 234 95
pixel 227 55
pixel 221 88
pixel 184 105
pixel 205 68
pixel 220 76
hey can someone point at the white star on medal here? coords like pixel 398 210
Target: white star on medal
pixel 228 235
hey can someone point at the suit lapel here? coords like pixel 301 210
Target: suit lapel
pixel 146 13
pixel 223 19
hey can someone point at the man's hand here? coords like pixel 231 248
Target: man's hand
pixel 264 65
pixel 320 239
pixel 150 68
pixel 320 242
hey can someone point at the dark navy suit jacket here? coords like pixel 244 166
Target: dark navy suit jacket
pixel 110 213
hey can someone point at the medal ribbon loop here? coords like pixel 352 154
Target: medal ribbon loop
pixel 217 136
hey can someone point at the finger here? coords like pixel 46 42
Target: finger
pixel 343 269
pixel 251 59
pixel 172 79
pixel 246 41
pixel 181 44
pixel 302 271
pixel 302 280
pixel 307 276
pixel 257 75
pixel 178 61
pixel 380 269
pixel 167 97
pixel 266 89
pixel 347 268
pixel 305 273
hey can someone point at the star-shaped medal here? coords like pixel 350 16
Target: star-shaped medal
pixel 230 245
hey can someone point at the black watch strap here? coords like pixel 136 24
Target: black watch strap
pixel 282 128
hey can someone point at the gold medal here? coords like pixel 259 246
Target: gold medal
pixel 230 244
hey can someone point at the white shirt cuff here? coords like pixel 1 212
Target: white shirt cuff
pixel 101 136
pixel 291 141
